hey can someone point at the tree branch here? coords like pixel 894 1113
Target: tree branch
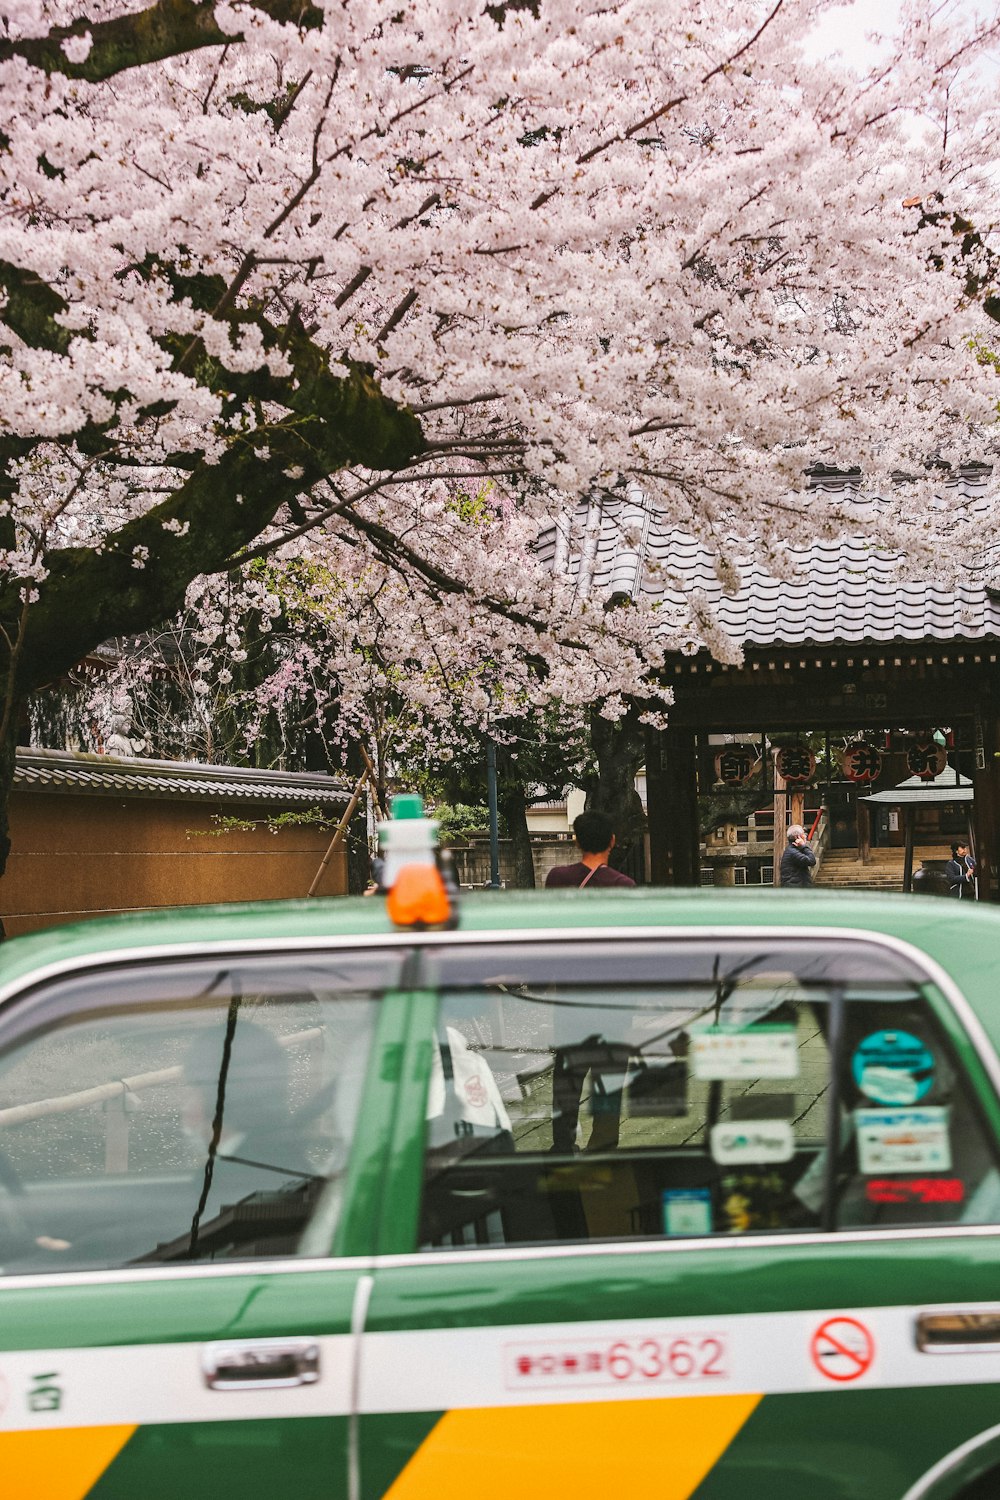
pixel 141 571
pixel 165 29
pixel 30 310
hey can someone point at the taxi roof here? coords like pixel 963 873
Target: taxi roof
pixel 964 938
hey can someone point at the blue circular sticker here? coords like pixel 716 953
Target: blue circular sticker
pixel 893 1067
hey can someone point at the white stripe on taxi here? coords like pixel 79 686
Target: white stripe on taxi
pixel 506 1365
pixel 140 1384
pixel 640 1359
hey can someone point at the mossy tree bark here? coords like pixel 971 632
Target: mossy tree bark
pixel 513 804
pixel 620 751
pixel 162 30
pixel 8 748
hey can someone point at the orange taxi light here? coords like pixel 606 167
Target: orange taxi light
pixel 418 898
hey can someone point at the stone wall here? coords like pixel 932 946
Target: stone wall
pixel 472 860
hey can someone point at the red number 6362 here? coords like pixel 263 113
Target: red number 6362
pixel 657 1359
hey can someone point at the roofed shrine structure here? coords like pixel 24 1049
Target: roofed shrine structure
pixel 839 650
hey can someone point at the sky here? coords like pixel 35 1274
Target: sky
pixel 844 29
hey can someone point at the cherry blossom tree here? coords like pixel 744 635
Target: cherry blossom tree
pixel 293 659
pixel 288 275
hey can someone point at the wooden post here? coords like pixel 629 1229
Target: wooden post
pixel 657 811
pixel 373 783
pixel 908 818
pixel 985 811
pixel 339 831
pixel 781 819
pixel 682 781
pixel 970 844
pixel 672 807
pixel 863 822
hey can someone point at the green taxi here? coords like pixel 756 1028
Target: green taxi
pixel 679 1195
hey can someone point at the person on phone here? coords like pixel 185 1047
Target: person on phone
pixel 797 860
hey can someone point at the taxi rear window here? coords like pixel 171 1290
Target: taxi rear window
pixel 183 1111
pixel 585 1091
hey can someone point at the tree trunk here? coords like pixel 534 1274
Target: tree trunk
pixel 513 804
pixel 8 751
pixel 620 749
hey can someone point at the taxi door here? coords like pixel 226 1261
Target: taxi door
pixel 699 1216
pixel 189 1153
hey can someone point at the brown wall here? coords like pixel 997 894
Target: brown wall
pixel 75 856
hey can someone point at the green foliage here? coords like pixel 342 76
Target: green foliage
pixel 307 817
pixel 985 354
pixel 309 591
pixel 473 509
pixel 458 820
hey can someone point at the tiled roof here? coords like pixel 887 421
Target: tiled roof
pixel 948 786
pixel 175 780
pixel 835 592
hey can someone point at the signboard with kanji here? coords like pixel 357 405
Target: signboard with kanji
pixel 795 763
pixel 860 762
pixel 926 759
pixel 735 764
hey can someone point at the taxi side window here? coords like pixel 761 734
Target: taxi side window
pixel 912 1147
pixel 182 1112
pixel 715 1090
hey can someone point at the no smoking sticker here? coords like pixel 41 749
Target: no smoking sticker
pixel 842 1349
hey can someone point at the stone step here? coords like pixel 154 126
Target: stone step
pixel 858 885
pixel 841 870
pixel 855 869
pixel 880 866
pixel 876 872
pixel 883 856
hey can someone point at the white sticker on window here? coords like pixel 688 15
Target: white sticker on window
pixel 903 1140
pixel 738 1141
pixel 720 1052
pixel 890 1085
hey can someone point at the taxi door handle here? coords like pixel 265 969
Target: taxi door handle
pixel 958 1332
pixel 260 1364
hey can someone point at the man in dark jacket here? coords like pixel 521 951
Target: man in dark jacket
pixel 960 871
pixel 595 836
pixel 797 860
